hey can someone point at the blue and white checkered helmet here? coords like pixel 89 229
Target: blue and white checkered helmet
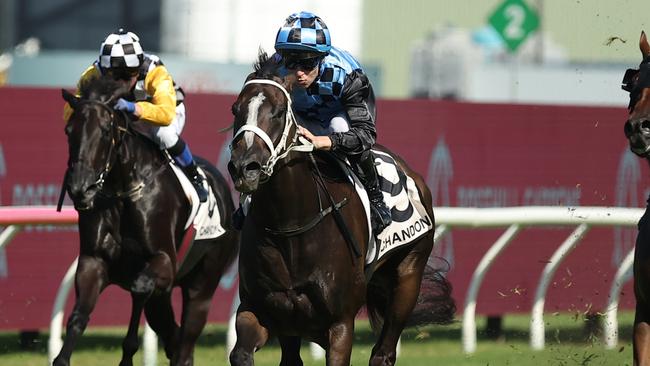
pixel 303 31
pixel 121 50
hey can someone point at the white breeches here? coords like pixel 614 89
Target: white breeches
pixel 164 136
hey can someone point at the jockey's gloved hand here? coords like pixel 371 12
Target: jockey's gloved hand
pixel 124 105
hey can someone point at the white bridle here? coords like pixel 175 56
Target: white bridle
pixel 280 150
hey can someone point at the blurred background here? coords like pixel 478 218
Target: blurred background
pixel 425 49
pixel 496 103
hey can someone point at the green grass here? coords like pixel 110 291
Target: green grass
pixel 566 344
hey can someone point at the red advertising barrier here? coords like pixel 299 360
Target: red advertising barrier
pixel 477 155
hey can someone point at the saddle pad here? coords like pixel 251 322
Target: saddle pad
pixel 410 219
pixel 204 216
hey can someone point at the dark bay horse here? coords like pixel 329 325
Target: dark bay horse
pixel 637 131
pixel 300 276
pixel 132 213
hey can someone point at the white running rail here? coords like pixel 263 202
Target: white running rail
pixel 516 219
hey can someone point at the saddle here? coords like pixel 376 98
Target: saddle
pixel 410 219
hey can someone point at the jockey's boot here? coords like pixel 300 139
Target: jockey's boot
pixel 380 216
pixel 183 157
pixel 197 180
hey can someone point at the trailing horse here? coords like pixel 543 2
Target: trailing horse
pixel 637 131
pixel 302 268
pixel 132 219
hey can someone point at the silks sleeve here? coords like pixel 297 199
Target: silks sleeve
pixel 162 108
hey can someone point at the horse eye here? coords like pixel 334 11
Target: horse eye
pixel 68 129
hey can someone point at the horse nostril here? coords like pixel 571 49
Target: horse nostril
pixel 252 167
pixel 645 125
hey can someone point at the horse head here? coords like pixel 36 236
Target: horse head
pixel 93 132
pixel 637 83
pixel 264 126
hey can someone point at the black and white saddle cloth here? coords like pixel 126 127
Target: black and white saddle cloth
pixel 204 216
pixel 410 219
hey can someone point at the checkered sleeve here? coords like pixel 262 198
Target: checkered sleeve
pixel 358 101
pixel 162 108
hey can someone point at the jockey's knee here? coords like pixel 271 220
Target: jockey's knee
pixel 166 137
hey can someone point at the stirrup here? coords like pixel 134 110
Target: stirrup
pixel 380 217
pixel 197 182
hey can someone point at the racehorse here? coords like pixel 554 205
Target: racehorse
pixel 132 214
pixel 637 131
pixel 304 240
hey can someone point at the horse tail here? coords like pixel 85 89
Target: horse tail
pixel 435 304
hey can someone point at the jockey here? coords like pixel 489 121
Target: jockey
pixel 332 100
pixel 154 99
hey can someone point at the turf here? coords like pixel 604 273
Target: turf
pixel 567 343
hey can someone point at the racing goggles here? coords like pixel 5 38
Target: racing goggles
pixel 123 74
pixel 305 64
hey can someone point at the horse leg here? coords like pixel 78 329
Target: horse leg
pixel 90 279
pixel 641 336
pixel 131 342
pixel 340 339
pixel 403 284
pixel 156 280
pixel 160 316
pixel 198 288
pixel 290 351
pixel 251 336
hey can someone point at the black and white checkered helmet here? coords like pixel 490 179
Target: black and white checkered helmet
pixel 121 50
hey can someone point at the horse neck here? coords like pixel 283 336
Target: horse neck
pixel 136 156
pixel 290 194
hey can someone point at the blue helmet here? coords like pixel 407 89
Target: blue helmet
pixel 303 31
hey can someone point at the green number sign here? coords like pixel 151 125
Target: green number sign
pixel 514 20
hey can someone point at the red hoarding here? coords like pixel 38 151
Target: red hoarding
pixel 479 155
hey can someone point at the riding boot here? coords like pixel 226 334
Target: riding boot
pixel 379 213
pixel 183 157
pixel 197 180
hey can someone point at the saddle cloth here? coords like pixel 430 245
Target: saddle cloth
pixel 204 216
pixel 410 219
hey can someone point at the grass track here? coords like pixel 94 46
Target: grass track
pixel 566 345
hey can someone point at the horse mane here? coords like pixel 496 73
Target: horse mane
pixel 102 89
pixel 266 67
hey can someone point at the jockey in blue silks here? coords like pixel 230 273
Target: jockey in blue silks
pixel 333 100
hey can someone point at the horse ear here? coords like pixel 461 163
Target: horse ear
pixel 72 99
pixel 643 45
